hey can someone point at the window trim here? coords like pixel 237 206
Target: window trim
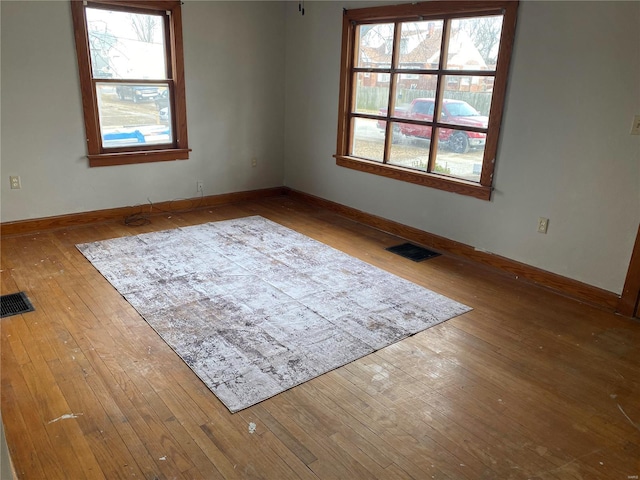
pixel 97 155
pixel 423 11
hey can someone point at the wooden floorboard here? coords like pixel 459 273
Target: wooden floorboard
pixel 528 385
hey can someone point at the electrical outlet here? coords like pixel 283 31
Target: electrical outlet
pixel 254 162
pixel 199 187
pixel 635 128
pixel 543 225
pixel 15 182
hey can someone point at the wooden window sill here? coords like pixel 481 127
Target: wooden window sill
pixel 128 158
pixel 432 180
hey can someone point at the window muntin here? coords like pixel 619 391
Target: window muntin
pixel 132 78
pixel 454 58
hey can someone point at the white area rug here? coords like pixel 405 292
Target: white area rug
pixel 255 308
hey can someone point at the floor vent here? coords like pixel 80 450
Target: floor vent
pixel 412 252
pixel 14 304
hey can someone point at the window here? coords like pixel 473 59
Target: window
pixel 433 116
pixel 132 80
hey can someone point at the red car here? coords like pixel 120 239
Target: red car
pixel 455 112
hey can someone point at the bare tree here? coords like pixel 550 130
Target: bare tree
pixel 144 26
pixel 101 43
pixel 485 34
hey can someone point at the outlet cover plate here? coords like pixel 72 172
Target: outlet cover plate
pixel 635 128
pixel 543 224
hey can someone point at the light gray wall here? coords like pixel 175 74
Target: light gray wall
pixel 234 65
pixel 565 150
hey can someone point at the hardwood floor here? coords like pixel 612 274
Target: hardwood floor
pixel 529 385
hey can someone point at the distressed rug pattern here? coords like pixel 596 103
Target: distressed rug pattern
pixel 255 308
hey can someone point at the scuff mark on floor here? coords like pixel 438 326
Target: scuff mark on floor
pixel 627 417
pixel 66 416
pixel 565 465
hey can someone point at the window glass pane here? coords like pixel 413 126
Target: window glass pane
pixel 466 101
pixel 473 43
pixel 460 154
pixel 420 44
pixel 371 97
pixel 134 114
pixel 375 45
pixel 382 78
pixel 368 139
pixel 410 146
pixel 408 90
pixel 126 45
